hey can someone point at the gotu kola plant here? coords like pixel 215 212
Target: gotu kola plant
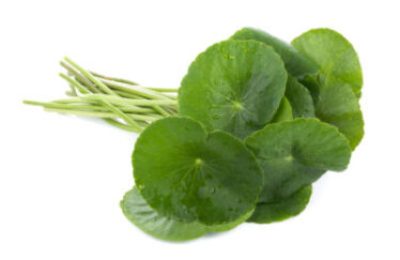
pixel 255 122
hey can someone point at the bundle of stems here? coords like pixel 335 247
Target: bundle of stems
pixel 119 102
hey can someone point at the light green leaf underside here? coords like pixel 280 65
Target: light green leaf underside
pixel 299 98
pixel 296 153
pixel 337 60
pixel 138 211
pixel 284 112
pixel 190 175
pixel 296 63
pixel 234 86
pixel 283 209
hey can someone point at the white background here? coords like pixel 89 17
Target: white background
pixel 62 177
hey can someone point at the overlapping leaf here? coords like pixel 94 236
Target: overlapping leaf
pixel 337 86
pixel 139 212
pixel 293 154
pixel 282 209
pixel 295 62
pixel 193 180
pixel 187 174
pixel 336 58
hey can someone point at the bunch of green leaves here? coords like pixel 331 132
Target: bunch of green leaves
pixel 255 123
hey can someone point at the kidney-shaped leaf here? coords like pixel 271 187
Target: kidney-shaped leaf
pixel 335 56
pixel 235 86
pixel 295 153
pixel 282 209
pixel 187 174
pixel 296 63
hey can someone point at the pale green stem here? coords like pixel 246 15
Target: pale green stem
pixel 82 113
pixel 87 74
pixel 103 115
pixel 75 84
pixel 99 114
pixel 167 90
pixel 81 79
pixel 127 95
pixel 112 99
pixel 88 107
pixel 115 100
pixel 137 90
pixel 130 121
pixel 161 110
pixel 125 81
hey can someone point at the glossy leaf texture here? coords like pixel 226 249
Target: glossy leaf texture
pixel 335 56
pixel 234 86
pixel 282 209
pixel 294 154
pixel 296 63
pixel 185 173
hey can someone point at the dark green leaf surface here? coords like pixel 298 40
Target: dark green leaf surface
pixel 339 106
pixel 284 112
pixel 337 60
pixel 235 86
pixel 282 209
pixel 296 63
pixel 137 210
pixel 300 99
pixel 189 175
pixel 295 153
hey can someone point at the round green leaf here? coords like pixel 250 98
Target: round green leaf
pixel 189 175
pixel 139 212
pixel 284 112
pixel 136 209
pixel 293 154
pixel 339 106
pixel 299 98
pixel 337 60
pixel 296 63
pixel 235 86
pixel 282 209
